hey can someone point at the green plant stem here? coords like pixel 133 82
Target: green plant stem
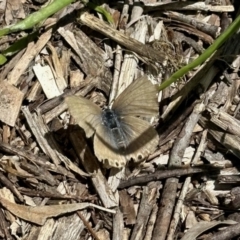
pixel 36 17
pixel 205 55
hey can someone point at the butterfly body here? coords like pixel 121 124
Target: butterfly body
pixel 121 132
pixel 112 121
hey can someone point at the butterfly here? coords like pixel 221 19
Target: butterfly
pixel 121 131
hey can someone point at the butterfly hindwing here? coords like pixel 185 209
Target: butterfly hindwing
pixel 106 149
pixel 140 137
pixel 86 114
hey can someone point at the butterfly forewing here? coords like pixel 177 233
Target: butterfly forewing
pixel 86 114
pixel 138 99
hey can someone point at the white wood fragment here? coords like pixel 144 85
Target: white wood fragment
pixel 76 77
pixel 188 155
pixel 161 160
pixel 129 66
pixel 47 81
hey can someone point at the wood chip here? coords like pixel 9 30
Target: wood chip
pixel 10 103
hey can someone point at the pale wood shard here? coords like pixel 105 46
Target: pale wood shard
pixel 117 67
pixel 192 30
pixel 31 52
pixel 34 92
pixel 50 115
pixel 76 77
pixel 57 68
pixel 10 103
pixel 47 80
pixel 130 63
pixel 118 226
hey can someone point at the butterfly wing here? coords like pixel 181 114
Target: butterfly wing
pixel 140 137
pixel 138 99
pixel 106 150
pixel 86 114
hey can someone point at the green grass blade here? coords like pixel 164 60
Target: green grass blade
pixel 205 55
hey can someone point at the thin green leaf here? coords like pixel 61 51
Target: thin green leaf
pixel 19 44
pixel 3 59
pixel 101 10
pixel 205 55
